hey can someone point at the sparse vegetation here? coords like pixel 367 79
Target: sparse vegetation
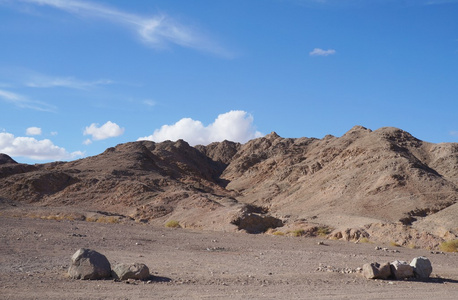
pixel 323 231
pixel 110 219
pixel 279 233
pixel 364 240
pixel 394 244
pixel 297 232
pixel 449 246
pixel 412 246
pixel 172 224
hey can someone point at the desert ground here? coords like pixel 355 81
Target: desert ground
pixel 195 264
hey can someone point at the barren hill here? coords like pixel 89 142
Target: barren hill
pixel 360 180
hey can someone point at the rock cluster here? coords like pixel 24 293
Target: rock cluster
pixel 420 268
pixel 88 264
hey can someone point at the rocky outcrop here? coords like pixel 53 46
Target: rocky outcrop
pixel 89 264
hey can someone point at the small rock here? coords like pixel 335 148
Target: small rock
pixel 136 271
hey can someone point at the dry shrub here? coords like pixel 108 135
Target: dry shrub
pixel 297 232
pixel 323 231
pixel 364 240
pixel 449 246
pixel 279 233
pixel 172 224
pixel 394 244
pixel 110 219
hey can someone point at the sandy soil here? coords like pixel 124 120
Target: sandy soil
pixel 35 255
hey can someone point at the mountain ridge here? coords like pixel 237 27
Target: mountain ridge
pixel 363 177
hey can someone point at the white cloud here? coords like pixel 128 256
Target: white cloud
pixel 156 31
pixel 87 142
pixel 107 130
pixel 33 131
pixel 236 126
pixel 454 133
pixel 34 149
pixel 321 52
pixel 24 102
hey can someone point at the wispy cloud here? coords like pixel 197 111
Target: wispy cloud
pixel 321 52
pixel 42 81
pixel 24 102
pixel 156 31
pixel 454 133
pixel 149 102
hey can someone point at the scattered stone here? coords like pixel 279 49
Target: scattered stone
pixel 136 271
pixel 216 249
pixel 421 267
pixel 89 264
pixel 376 271
pixel 401 269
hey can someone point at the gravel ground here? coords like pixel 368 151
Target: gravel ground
pixel 35 255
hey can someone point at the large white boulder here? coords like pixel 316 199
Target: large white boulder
pixel 421 267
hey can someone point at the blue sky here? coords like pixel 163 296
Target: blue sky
pixel 77 77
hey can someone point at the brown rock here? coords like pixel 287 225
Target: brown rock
pixel 376 271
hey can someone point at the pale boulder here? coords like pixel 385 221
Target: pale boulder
pixel 422 268
pixel 89 264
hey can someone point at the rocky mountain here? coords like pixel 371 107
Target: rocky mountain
pixel 358 180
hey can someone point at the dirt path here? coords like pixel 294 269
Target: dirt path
pixel 35 254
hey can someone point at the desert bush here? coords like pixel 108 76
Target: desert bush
pixel 110 219
pixel 449 246
pixel 323 231
pixel 364 240
pixel 297 232
pixel 172 224
pixel 91 219
pixel 394 244
pixel 279 233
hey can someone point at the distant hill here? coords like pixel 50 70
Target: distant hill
pixel 363 178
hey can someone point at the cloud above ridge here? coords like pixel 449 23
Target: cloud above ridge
pixel 235 125
pixel 34 149
pixel 107 130
pixel 156 31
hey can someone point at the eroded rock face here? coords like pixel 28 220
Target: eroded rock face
pixel 376 271
pixel 88 264
pixel 256 223
pixel 136 271
pixel 422 268
pixel 401 269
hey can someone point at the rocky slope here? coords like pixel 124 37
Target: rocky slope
pixel 356 181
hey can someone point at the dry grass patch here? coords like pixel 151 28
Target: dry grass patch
pixel 172 224
pixel 449 246
pixel 297 232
